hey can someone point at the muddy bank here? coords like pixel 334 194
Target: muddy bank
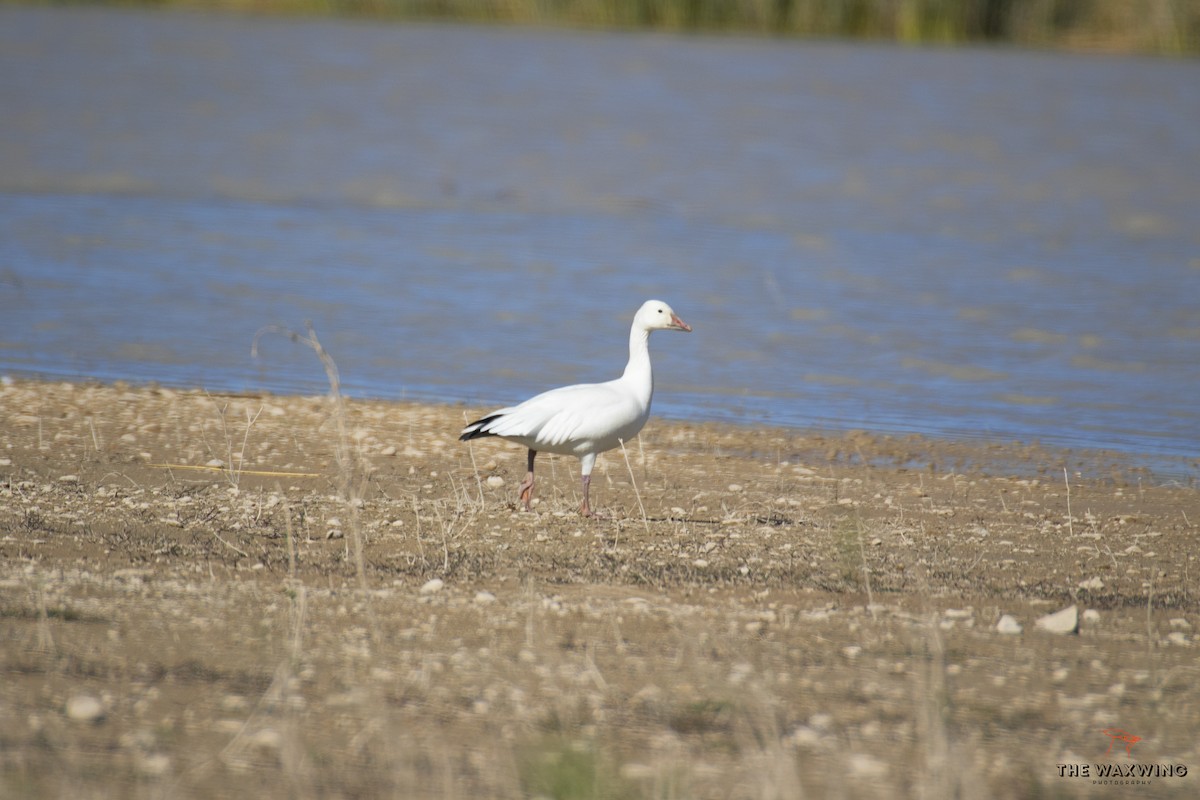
pixel 208 595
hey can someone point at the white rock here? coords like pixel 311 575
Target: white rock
pixel 153 765
pixel 638 772
pixel 1178 637
pixel 433 586
pixel 1008 624
pixel 865 766
pixel 484 597
pixel 267 739
pixel 1093 584
pixel 495 481
pixel 1181 623
pixel 1091 616
pixel 1065 621
pixel 85 708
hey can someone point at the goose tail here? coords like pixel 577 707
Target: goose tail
pixel 479 428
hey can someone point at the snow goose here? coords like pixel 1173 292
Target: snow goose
pixel 586 419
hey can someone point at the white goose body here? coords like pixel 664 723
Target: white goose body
pixel 586 419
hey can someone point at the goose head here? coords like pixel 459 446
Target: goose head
pixel 655 315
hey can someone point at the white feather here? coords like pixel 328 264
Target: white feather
pixel 586 419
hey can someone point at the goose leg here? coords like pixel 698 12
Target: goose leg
pixel 585 509
pixel 526 487
pixel 586 463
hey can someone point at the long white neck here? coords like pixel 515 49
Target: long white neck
pixel 637 372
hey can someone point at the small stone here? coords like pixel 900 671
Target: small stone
pixel 865 766
pixel 1178 637
pixel 153 765
pixel 214 462
pixel 484 597
pixel 735 487
pixel 637 772
pixel 68 479
pixel 1065 621
pixel 1091 616
pixel 267 739
pixel 1008 624
pixel 495 481
pixel 85 708
pixel 1180 623
pixel 432 586
pixel 1092 584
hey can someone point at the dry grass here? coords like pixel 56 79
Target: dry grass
pixel 764 617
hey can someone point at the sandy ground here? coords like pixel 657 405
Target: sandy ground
pixel 209 596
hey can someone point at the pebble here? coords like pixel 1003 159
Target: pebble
pixel 432 586
pixel 1092 584
pixel 85 708
pixel 495 481
pixel 153 765
pixel 865 766
pixel 1008 624
pixel 1064 621
pixel 484 597
pixel 1091 616
pixel 267 739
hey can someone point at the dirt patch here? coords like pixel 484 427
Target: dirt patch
pixel 252 596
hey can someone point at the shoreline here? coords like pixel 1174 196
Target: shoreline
pixel 1107 29
pixel 212 595
pixel 974 453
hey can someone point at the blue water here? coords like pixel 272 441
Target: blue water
pixel 964 243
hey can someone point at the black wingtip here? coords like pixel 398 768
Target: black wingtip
pixel 474 430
